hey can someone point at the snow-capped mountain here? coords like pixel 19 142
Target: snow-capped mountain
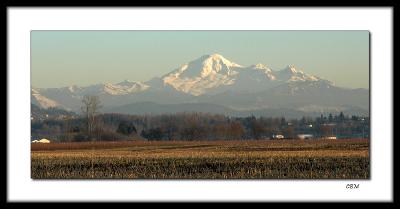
pixel 213 73
pixel 125 87
pixel 70 97
pixel 214 79
pixel 207 72
pixel 291 74
pixel 42 101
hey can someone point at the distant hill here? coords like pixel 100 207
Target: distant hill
pixel 38 113
pixel 142 108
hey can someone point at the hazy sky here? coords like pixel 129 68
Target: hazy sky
pixel 63 58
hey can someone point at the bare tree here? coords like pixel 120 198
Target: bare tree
pixel 98 128
pixel 288 132
pixel 91 106
pixel 236 130
pixel 67 128
pixel 257 129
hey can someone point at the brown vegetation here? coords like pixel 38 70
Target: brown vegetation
pixel 203 159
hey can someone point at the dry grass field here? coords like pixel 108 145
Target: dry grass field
pixel 293 159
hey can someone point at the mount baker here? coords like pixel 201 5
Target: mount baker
pixel 214 84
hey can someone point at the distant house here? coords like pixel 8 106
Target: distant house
pixel 41 141
pixel 305 136
pixel 44 141
pixel 278 136
pixel 330 137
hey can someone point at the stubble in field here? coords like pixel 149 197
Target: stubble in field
pixel 294 159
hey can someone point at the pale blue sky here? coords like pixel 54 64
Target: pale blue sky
pixel 63 58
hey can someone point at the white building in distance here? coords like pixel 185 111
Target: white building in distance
pixel 278 136
pixel 41 141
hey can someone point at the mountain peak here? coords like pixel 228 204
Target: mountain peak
pixel 73 88
pixel 124 87
pixel 212 59
pixel 260 66
pixel 205 66
pixel 208 71
pixel 291 68
pixel 290 74
pixel 126 82
pixel 216 56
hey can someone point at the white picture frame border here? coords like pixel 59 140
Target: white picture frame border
pixel 20 187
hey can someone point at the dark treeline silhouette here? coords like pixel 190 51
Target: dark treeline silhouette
pixel 197 126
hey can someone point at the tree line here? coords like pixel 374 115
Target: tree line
pixel 93 126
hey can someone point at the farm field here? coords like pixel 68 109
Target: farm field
pixel 271 159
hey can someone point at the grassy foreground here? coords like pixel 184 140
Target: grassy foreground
pixel 294 159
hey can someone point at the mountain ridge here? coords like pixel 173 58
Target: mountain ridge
pixel 214 79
